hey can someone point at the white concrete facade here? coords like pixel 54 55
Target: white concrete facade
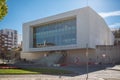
pixel 91 30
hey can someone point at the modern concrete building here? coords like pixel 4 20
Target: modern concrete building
pixel 65 37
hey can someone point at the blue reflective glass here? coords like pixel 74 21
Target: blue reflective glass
pixel 55 34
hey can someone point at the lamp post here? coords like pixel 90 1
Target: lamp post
pixel 87 61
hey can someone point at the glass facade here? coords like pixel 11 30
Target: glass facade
pixel 55 34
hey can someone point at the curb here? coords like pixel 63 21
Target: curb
pixel 115 69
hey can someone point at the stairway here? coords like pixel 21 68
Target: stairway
pixel 50 60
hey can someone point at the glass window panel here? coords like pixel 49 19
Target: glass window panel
pixel 55 34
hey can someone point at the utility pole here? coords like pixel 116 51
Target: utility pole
pixel 87 61
pixel 87 56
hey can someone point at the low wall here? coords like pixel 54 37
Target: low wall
pixel 78 57
pixel 108 54
pixel 32 55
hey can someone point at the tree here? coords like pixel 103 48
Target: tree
pixel 3 9
pixel 117 33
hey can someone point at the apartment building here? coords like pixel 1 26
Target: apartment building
pixel 8 39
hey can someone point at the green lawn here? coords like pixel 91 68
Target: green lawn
pixel 34 71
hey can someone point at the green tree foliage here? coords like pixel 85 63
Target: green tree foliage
pixel 117 33
pixel 3 9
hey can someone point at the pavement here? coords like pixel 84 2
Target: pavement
pixel 44 77
pixel 117 68
pixel 109 73
pixel 106 72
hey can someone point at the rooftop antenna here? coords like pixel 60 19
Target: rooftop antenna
pixel 87 2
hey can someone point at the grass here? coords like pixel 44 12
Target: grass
pixel 15 71
pixel 34 71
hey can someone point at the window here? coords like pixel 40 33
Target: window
pixel 55 34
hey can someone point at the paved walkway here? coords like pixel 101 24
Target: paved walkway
pixel 44 77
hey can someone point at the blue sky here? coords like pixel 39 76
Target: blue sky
pixel 20 11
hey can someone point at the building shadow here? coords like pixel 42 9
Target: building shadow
pixel 74 70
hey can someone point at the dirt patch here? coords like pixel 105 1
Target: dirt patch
pixel 111 79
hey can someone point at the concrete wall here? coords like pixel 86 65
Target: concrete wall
pixel 83 28
pixel 112 54
pixel 32 55
pixel 73 57
pixel 26 37
pixel 99 32
pixel 78 57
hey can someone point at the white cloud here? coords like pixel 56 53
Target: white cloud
pixel 116 25
pixel 110 14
